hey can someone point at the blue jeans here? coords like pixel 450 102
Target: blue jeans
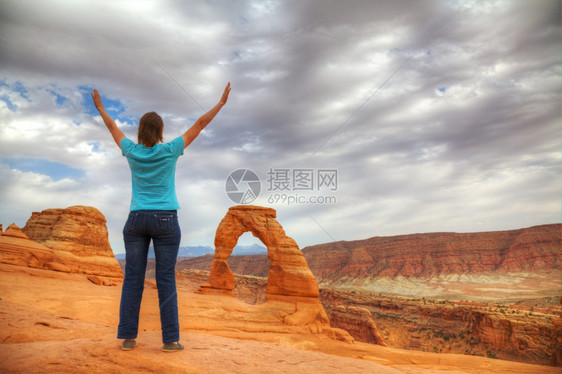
pixel 162 227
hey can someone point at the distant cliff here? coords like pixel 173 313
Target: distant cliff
pixel 257 265
pixel 424 255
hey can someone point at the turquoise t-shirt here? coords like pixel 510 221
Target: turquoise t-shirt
pixel 153 172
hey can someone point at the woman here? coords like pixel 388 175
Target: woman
pixel 153 216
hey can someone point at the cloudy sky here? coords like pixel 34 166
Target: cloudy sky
pixel 435 115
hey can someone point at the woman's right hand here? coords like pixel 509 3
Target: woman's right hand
pixel 224 97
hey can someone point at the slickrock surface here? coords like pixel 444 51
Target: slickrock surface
pixel 62 322
pixel 78 237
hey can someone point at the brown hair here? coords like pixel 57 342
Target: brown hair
pixel 151 127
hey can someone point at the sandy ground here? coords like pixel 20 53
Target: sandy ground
pixel 62 323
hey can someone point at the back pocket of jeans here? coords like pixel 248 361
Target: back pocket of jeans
pixel 131 223
pixel 165 223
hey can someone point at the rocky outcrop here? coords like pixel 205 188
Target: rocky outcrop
pixel 358 322
pixel 17 249
pixel 14 231
pixel 289 281
pixel 288 275
pixel 80 230
pixel 71 240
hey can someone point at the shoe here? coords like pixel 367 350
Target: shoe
pixel 172 347
pixel 128 344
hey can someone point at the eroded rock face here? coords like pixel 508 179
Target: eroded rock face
pixel 78 237
pixel 533 249
pixel 14 231
pixel 80 230
pixel 358 322
pixel 289 274
pixel 289 278
pixel 17 249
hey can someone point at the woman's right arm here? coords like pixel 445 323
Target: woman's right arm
pixel 115 131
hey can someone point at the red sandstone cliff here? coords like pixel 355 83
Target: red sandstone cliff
pixel 423 255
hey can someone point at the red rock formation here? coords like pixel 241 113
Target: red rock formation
pixel 423 255
pixel 80 230
pixel 78 237
pixel 358 322
pixel 289 274
pixel 14 231
pixel 290 281
pixel 17 249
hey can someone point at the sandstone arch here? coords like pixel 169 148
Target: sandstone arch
pixel 289 278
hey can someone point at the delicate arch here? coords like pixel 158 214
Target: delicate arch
pixel 289 274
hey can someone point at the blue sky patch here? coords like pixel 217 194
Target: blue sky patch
pixel 21 90
pixel 55 170
pixel 59 99
pixel 95 146
pixel 113 107
pixel 442 89
pixel 9 103
pixel 16 87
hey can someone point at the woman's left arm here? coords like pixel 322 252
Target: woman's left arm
pixel 115 131
pixel 204 120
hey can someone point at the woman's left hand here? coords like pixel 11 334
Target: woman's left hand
pixel 97 100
